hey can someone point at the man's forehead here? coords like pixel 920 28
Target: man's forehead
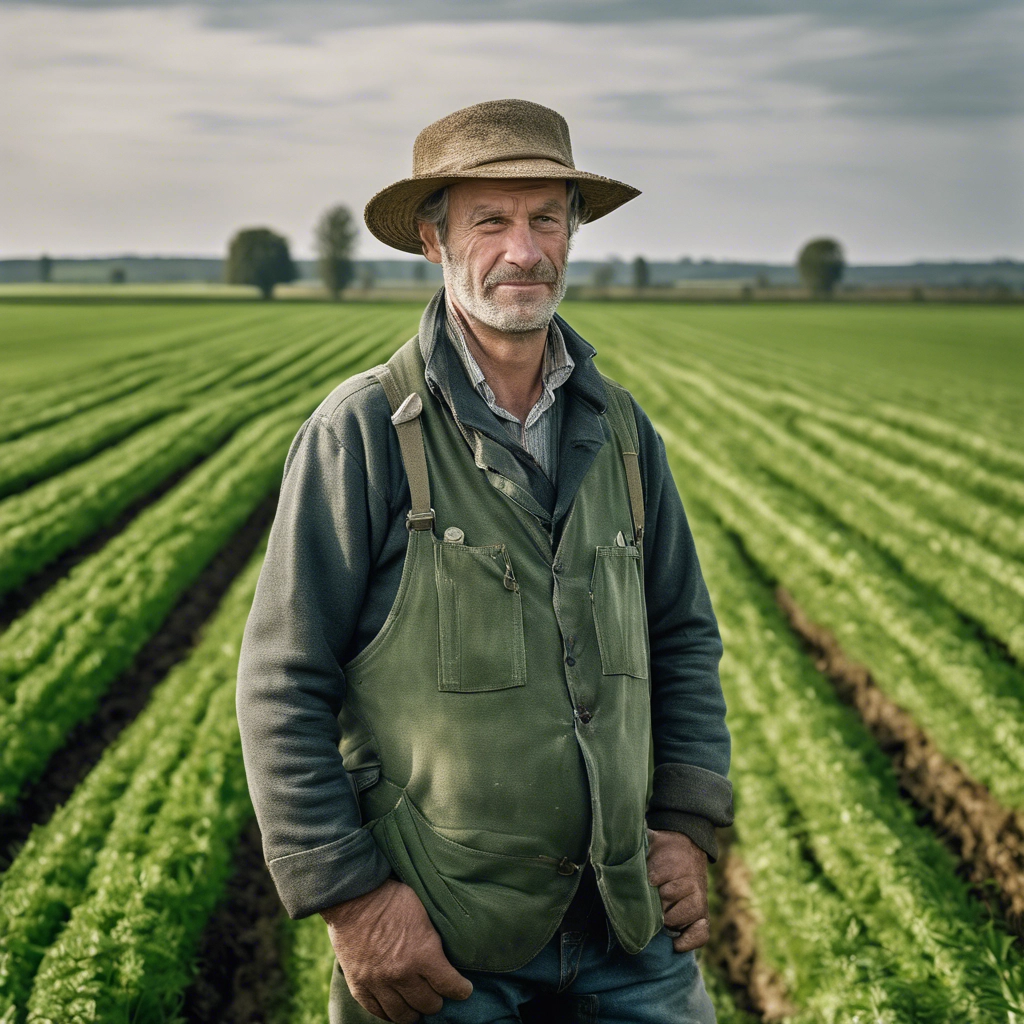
pixel 503 191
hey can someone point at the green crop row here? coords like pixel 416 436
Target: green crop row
pixel 117 802
pixel 862 910
pixel 955 371
pixel 981 583
pixel 59 657
pixel 308 962
pixel 40 523
pixel 922 653
pixel 222 365
pixel 126 952
pixel 54 354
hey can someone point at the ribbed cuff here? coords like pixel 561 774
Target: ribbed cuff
pixel 699 829
pixel 693 790
pixel 318 879
pixel 691 800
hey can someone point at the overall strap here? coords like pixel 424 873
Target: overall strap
pixel 623 421
pixel 405 412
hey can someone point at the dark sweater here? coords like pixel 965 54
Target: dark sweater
pixel 331 574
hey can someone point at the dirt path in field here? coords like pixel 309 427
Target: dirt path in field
pixel 241 979
pixel 733 948
pixel 129 693
pixel 988 837
pixel 16 601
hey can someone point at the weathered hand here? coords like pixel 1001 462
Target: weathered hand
pixel 391 954
pixel 679 868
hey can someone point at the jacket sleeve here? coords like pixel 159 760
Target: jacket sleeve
pixel 691 742
pixel 290 681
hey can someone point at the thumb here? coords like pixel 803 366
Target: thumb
pixel 446 981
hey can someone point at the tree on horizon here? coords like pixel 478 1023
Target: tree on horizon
pixel 821 264
pixel 335 243
pixel 260 257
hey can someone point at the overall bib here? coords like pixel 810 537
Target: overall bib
pixel 498 727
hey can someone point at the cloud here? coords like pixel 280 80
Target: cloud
pixel 146 128
pixel 971 70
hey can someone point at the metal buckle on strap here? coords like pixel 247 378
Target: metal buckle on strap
pixel 420 520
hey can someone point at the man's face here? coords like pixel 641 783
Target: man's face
pixel 505 255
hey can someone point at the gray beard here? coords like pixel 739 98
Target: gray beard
pixel 518 318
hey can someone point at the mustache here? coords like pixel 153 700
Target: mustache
pixel 543 273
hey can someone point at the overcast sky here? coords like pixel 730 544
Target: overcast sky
pixel 158 127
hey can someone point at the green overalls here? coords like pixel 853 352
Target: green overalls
pixel 498 727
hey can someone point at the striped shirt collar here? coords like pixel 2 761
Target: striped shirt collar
pixel 555 369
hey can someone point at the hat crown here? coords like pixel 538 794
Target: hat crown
pixel 485 133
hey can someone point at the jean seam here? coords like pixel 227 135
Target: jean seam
pixel 570 950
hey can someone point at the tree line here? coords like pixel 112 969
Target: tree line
pixel 261 257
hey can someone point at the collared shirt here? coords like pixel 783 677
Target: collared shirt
pixel 539 433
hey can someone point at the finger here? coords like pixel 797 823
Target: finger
pixel 419 994
pixel 659 868
pixel 676 889
pixel 445 980
pixel 693 937
pixel 396 1008
pixel 685 912
pixel 367 1001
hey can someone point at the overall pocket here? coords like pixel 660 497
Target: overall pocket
pixel 616 593
pixel 480 619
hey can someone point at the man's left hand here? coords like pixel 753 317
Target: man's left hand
pixel 679 868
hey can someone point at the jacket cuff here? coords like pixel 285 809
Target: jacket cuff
pixel 691 800
pixel 699 829
pixel 317 879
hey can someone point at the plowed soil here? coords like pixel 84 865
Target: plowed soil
pixel 733 947
pixel 241 979
pixel 988 837
pixel 129 693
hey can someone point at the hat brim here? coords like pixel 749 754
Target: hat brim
pixel 391 213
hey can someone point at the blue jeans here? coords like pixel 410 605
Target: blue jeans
pixel 598 983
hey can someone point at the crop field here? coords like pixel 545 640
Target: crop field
pixel 854 478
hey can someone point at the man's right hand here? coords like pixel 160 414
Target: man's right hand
pixel 391 954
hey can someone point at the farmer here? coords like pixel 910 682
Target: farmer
pixel 478 690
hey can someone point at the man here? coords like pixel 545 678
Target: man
pixel 481 586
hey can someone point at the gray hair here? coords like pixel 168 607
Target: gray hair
pixel 434 210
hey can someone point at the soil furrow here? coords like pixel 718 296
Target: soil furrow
pixel 733 947
pixel 988 837
pixel 128 694
pixel 240 978
pixel 17 601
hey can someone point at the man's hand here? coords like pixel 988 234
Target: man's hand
pixel 679 868
pixel 391 954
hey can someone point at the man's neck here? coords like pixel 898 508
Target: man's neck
pixel 511 363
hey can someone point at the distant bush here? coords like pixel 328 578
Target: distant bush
pixel 260 257
pixel 821 264
pixel 335 243
pixel 641 273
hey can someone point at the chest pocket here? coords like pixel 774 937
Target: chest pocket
pixel 480 619
pixel 616 593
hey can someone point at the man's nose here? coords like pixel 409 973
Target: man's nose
pixel 521 247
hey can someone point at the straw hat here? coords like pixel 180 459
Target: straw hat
pixel 498 139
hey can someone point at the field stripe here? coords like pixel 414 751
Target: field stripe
pixel 38 524
pixel 990 837
pixel 837 799
pixel 980 582
pixel 119 797
pixel 55 661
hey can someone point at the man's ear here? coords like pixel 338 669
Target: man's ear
pixel 428 236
